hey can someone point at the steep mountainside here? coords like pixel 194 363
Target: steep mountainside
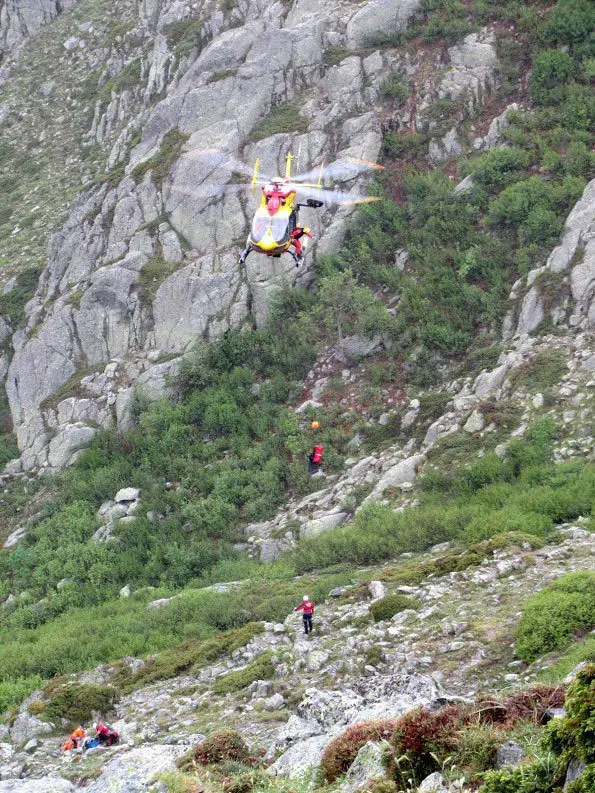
pixel 157 517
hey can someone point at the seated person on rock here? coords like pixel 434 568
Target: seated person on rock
pixel 106 734
pixel 76 739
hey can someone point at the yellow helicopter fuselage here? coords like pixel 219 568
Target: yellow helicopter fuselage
pixel 273 222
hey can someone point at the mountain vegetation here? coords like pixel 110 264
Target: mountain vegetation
pixel 175 596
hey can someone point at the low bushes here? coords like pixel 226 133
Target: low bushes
pixel 528 705
pixel 286 117
pixel 388 606
pixel 423 739
pixel 161 163
pixel 524 493
pixel 192 654
pixel 222 747
pixel 77 702
pixel 342 750
pixel 13 692
pixel 571 738
pixel 260 669
pixel 574 735
pixel 553 616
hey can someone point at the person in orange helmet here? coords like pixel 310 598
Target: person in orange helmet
pixel 78 736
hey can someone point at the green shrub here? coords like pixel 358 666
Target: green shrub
pixel 394 88
pixel 540 227
pixel 580 159
pixel 500 167
pixel 570 22
pixel 585 783
pixel 12 304
pixel 260 669
pixel 532 778
pixel 188 655
pixel 507 520
pixel 177 782
pixel 374 655
pixel 184 35
pixel 553 616
pixel 552 70
pixel 340 753
pixel 13 692
pixel 36 707
pixel 573 736
pixel 222 747
pixel 77 702
pixel 388 606
pixel 8 449
pixel 449 24
pixel 475 753
pixel 284 118
pixel 116 31
pixel 152 275
pixel 161 163
pixel 333 55
pixel 384 786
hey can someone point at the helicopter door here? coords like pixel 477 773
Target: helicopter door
pixel 292 222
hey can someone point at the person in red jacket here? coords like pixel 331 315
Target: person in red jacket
pixel 315 460
pixel 296 240
pixel 307 609
pixel 106 734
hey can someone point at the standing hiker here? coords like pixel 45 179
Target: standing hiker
pixel 307 609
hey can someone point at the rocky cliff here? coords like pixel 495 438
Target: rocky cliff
pixel 147 259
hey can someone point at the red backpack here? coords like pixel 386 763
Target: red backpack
pixel 317 454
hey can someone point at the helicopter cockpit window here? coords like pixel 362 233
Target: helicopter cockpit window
pixel 280 229
pixel 259 228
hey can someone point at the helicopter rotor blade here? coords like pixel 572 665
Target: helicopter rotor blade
pixel 344 169
pixel 335 197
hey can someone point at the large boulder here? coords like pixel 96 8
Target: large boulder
pixel 66 446
pixel 47 784
pixel 329 707
pixel 509 753
pixel 313 528
pixel 133 771
pixel 15 537
pixel 26 726
pixel 435 783
pixel 367 766
pixel 303 758
pixel 471 71
pixel 378 20
pixel 404 471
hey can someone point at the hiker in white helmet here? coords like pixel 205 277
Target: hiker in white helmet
pixel 307 609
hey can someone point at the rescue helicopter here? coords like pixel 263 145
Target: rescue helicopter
pixel 275 228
